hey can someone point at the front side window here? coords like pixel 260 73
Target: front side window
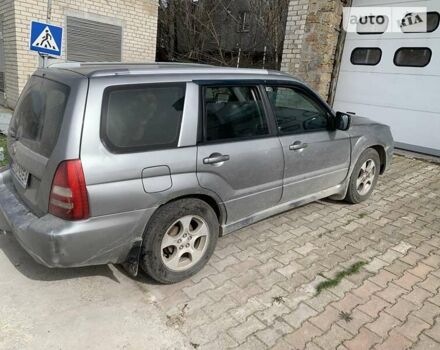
pixel 295 111
pixel 142 117
pixel 412 57
pixel 366 56
pixel 233 112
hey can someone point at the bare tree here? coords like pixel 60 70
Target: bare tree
pixel 214 31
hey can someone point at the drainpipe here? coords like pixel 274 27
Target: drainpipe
pixel 48 17
pixel 49 10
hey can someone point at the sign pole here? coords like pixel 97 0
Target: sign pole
pixel 45 61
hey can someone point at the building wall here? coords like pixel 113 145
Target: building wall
pixel 10 52
pixel 312 34
pixel 138 19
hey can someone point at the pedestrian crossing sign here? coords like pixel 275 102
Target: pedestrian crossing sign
pixel 46 38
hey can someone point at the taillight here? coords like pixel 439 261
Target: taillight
pixel 68 196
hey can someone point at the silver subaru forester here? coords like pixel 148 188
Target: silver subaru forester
pixel 147 165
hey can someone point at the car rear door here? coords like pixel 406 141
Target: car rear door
pixel 316 157
pixel 239 155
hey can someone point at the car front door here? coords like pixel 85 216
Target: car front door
pixel 316 157
pixel 239 155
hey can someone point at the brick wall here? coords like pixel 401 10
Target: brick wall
pixel 312 33
pixel 138 19
pixel 10 53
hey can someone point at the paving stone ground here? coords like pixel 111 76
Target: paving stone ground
pixel 258 291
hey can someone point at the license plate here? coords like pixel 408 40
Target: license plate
pixel 21 174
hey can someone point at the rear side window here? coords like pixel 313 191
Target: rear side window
pixel 366 56
pixel 412 57
pixel 233 112
pixel 142 117
pixel 39 114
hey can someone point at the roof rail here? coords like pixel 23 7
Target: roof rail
pixel 85 64
pixel 65 65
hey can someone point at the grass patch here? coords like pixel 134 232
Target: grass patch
pixel 346 316
pixel 362 215
pixel 5 150
pixel 278 300
pixel 333 282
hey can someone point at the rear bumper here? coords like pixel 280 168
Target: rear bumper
pixel 54 242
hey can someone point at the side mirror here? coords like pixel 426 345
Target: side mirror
pixel 342 121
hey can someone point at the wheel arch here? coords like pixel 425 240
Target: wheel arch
pixel 382 156
pixel 219 209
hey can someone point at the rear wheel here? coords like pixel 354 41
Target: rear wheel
pixel 179 240
pixel 364 177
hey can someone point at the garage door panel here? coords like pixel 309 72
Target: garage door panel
pixel 390 90
pixel 409 127
pixel 406 98
pixel 389 48
pixel 421 3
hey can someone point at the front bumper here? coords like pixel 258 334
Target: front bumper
pixel 54 242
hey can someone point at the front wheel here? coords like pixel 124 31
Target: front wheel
pixel 179 241
pixel 364 177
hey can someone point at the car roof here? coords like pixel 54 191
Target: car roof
pixel 92 69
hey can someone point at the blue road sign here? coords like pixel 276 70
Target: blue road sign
pixel 46 38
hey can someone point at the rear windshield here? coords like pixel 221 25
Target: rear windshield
pixel 39 114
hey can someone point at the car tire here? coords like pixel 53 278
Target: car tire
pixel 179 240
pixel 364 177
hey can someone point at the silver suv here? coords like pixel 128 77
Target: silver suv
pixel 146 165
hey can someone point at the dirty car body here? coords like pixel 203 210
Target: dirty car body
pixel 244 179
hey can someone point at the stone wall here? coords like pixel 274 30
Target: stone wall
pixel 312 34
pixel 138 19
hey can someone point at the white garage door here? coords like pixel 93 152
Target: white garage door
pixel 394 78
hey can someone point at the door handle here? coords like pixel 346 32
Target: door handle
pixel 216 158
pixel 298 146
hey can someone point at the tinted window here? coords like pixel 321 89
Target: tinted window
pixel 420 22
pixel 39 114
pixel 295 111
pixel 372 25
pixel 142 117
pixel 366 56
pixel 412 57
pixel 234 112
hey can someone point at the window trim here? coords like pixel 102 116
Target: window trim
pixel 135 149
pixel 366 48
pixel 202 132
pixel 330 115
pixel 412 48
pixel 428 31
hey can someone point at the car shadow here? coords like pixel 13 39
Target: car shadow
pixel 27 266
pixel 141 277
pixel 332 201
